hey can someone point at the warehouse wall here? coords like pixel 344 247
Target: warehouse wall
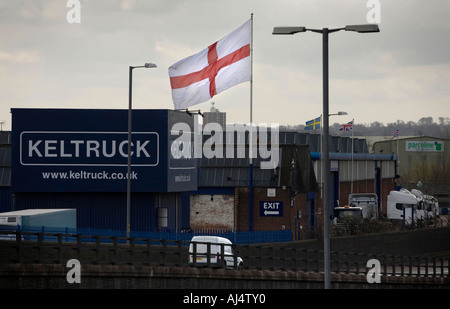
pixel 5 199
pixel 108 210
pixel 212 211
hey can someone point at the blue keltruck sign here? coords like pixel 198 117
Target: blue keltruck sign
pixel 74 150
pixel 48 148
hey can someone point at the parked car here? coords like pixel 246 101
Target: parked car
pixel 199 247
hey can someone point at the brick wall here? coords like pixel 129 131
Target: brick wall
pixel 290 214
pixel 261 223
pixel 212 211
pixel 289 220
pixel 366 186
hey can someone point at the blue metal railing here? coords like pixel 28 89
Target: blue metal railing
pixel 244 237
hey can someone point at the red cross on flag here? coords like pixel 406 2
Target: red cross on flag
pixel 222 65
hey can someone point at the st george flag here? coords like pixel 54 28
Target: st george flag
pixel 222 65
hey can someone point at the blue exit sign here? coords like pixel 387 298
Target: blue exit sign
pixel 271 209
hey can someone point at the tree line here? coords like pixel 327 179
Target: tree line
pixel 425 126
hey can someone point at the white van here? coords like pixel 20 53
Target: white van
pixel 199 245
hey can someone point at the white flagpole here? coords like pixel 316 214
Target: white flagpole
pixel 250 142
pixel 251 70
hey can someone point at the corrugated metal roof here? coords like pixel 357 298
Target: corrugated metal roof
pixel 236 172
pixel 304 177
pixel 5 137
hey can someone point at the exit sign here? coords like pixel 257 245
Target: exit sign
pixel 270 209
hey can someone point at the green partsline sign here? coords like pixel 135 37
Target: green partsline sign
pixel 432 146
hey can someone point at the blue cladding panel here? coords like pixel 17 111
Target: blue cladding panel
pixel 182 165
pixel 97 210
pixel 5 199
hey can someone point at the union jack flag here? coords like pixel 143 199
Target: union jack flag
pixel 347 127
pixel 395 134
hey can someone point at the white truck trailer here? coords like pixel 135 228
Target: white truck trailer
pixel 33 219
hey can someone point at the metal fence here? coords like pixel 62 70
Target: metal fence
pixel 237 237
pixel 51 248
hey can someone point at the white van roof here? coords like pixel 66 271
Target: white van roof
pixel 211 239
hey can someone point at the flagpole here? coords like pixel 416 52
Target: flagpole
pixel 250 148
pixel 398 155
pixel 251 73
pixel 351 187
pixel 321 158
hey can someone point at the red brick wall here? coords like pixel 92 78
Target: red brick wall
pixel 366 186
pixel 261 223
pixel 289 219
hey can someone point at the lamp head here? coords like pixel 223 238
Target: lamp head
pixel 367 28
pixel 287 30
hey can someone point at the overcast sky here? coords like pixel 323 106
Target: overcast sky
pixel 400 73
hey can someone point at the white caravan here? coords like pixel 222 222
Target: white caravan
pixel 199 245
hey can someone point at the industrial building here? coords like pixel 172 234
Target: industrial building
pixel 71 158
pixel 214 116
pixel 295 185
pixel 423 163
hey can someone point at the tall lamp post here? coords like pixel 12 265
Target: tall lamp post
pixel 326 158
pixel 147 65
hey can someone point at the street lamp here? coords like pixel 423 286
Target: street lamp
pixel 367 28
pixel 326 156
pixel 147 65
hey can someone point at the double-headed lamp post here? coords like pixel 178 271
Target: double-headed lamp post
pixel 147 65
pixel 326 158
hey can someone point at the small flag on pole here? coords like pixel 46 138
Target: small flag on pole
pixel 313 124
pixel 347 127
pixel 395 134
